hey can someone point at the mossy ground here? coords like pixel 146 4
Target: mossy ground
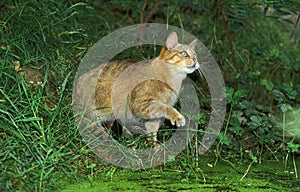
pixel 268 176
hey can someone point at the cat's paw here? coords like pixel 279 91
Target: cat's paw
pixel 179 120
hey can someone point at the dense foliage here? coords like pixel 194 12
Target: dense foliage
pixel 256 44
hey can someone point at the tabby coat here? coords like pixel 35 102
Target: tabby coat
pixel 140 95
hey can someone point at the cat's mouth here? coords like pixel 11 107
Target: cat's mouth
pixel 193 66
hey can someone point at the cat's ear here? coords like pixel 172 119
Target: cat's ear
pixel 172 41
pixel 193 44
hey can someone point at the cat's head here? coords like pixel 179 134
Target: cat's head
pixel 181 56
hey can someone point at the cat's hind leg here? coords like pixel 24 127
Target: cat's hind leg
pixel 152 127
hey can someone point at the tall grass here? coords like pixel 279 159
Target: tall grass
pixel 38 138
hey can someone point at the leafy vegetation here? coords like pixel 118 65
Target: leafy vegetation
pixel 256 44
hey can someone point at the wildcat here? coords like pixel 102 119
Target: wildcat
pixel 140 95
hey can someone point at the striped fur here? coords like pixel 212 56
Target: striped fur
pixel 144 93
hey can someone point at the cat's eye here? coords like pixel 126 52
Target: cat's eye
pixel 184 53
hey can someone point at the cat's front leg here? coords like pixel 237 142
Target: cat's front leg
pixel 175 117
pixel 159 110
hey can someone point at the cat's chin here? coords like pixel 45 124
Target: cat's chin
pixel 192 68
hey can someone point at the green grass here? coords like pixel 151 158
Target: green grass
pixel 36 140
pixel 40 143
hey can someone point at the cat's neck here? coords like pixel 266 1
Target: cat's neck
pixel 168 73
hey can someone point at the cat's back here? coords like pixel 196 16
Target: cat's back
pixel 111 70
